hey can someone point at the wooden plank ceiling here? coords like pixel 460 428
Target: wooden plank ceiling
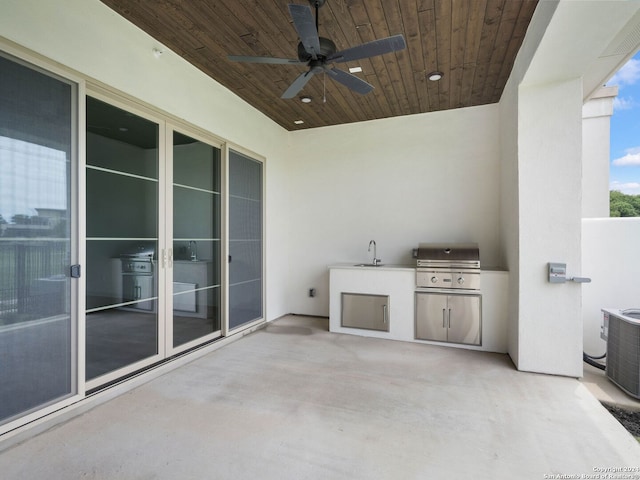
pixel 472 42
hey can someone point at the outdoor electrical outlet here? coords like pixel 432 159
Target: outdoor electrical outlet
pixel 312 292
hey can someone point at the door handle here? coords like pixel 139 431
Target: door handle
pixel 449 318
pixel 384 314
pixel 580 279
pixel 75 271
pixel 444 324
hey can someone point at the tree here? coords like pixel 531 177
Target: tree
pixel 623 205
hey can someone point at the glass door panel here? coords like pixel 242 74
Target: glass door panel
pixel 245 240
pixel 122 241
pixel 196 240
pixel 37 327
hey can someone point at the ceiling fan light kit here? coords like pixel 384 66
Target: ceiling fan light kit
pixel 318 53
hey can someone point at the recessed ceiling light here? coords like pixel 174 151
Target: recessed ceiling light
pixel 435 76
pixel 298 122
pixel 355 69
pixel 305 99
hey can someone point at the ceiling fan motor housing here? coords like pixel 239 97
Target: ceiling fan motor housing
pixel 327 48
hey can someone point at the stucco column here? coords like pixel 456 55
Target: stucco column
pixel 596 136
pixel 550 205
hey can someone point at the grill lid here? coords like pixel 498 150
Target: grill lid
pixel 140 251
pixel 447 255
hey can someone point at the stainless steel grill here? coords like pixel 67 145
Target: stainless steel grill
pixel 448 266
pixel 138 277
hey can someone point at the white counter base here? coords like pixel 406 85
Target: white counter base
pixel 399 283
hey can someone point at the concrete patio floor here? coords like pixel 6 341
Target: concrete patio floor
pixel 293 401
pixel 606 391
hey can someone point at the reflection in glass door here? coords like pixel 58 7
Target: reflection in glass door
pixel 196 240
pixel 122 241
pixel 37 321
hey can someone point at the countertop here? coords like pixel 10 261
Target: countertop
pixel 385 266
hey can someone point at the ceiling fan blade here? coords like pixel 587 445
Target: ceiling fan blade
pixel 306 28
pixel 297 85
pixel 354 83
pixel 272 60
pixel 369 49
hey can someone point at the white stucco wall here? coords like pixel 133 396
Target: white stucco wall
pixel 398 181
pixel 509 171
pixel 596 133
pixel 549 186
pixel 509 213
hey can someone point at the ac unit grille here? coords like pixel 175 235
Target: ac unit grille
pixel 623 355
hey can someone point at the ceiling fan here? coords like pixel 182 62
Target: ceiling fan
pixel 318 53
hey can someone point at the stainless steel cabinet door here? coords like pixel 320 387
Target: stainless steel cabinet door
pixel 138 287
pixel 464 319
pixel 370 312
pixel 431 316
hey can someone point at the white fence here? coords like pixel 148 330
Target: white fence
pixel 611 257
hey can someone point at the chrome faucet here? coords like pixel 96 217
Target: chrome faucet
pixel 193 248
pixel 376 260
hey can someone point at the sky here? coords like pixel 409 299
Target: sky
pixel 624 173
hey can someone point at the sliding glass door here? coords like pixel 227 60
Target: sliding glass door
pixel 173 232
pixel 122 329
pixel 38 321
pixel 155 197
pixel 196 289
pixel 245 240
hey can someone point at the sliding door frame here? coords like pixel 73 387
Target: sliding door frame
pixel 84 86
pixel 108 96
pixel 227 331
pixel 215 142
pixel 77 247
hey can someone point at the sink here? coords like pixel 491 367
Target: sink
pixel 368 265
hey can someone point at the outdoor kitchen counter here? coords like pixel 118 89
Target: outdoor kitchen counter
pixel 399 283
